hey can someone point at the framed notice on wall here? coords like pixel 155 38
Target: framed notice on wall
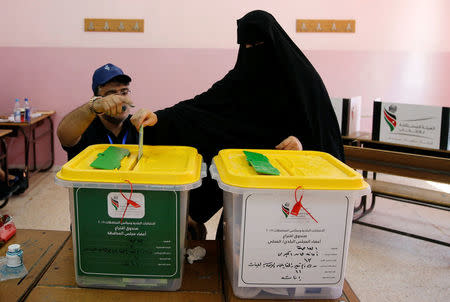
pixel 412 125
pixel 348 113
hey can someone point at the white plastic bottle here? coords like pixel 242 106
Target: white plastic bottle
pixel 17 111
pixel 14 256
pixel 27 110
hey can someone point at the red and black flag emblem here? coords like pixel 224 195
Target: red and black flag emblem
pixel 390 119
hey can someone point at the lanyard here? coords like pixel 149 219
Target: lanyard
pixel 123 140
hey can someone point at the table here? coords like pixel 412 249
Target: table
pixel 201 282
pixel 404 160
pixel 363 153
pixel 364 139
pixel 3 151
pixel 4 164
pixel 28 130
pixel 39 250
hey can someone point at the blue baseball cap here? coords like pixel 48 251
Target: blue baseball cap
pixel 106 73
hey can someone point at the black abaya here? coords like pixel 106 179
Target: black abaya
pixel 272 92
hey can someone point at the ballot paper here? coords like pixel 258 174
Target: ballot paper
pixel 141 141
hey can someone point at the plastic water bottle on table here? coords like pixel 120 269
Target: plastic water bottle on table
pixel 17 111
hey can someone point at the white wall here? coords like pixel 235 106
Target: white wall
pixel 398 25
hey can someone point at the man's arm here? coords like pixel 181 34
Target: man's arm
pixel 74 124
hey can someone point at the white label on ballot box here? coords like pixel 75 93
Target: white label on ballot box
pixel 286 243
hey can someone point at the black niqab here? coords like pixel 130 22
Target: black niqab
pixel 272 92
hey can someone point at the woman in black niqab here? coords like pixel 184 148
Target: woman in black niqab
pixel 272 92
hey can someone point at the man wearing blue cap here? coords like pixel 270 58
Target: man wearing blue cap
pixel 105 117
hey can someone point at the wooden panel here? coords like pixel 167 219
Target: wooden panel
pixel 403 148
pixel 114 25
pixel 398 163
pixel 39 250
pixel 409 192
pixel 4 132
pixel 349 293
pixel 61 272
pixel 357 136
pixel 363 139
pixel 201 282
pixel 325 25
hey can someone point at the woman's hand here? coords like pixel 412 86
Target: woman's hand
pixel 143 117
pixel 290 143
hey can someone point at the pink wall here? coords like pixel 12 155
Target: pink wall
pixel 399 52
pixel 60 78
pixel 404 77
pixel 388 25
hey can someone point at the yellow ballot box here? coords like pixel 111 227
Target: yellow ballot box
pixel 129 223
pixel 286 236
